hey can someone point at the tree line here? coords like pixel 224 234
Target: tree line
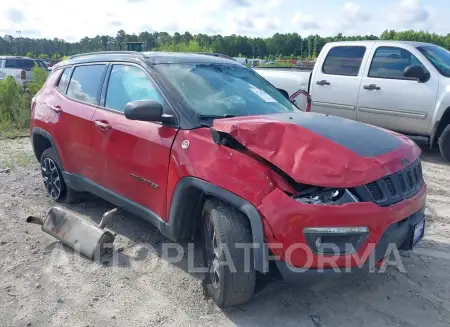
pixel 283 46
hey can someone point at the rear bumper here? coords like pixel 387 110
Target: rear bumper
pixel 286 219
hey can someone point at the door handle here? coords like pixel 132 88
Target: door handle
pixel 103 125
pixel 372 87
pixel 56 109
pixel 323 82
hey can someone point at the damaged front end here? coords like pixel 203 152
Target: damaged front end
pixel 330 188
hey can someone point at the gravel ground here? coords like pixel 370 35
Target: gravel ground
pixel 43 283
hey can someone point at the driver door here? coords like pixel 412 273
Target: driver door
pixel 135 153
pixel 389 99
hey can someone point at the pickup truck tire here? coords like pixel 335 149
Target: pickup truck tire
pixel 54 183
pixel 223 227
pixel 444 143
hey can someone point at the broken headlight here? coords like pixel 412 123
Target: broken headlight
pixel 327 196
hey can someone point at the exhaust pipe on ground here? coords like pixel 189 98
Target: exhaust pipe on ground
pixel 76 232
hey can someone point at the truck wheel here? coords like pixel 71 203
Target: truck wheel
pixel 444 143
pixel 54 183
pixel 230 280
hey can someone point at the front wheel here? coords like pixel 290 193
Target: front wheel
pixel 231 275
pixel 444 143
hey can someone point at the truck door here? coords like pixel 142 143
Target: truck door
pixel 389 99
pixel 335 85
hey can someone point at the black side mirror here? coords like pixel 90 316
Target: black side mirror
pixel 285 94
pixel 417 72
pixel 144 110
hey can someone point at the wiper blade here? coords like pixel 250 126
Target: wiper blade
pixel 215 116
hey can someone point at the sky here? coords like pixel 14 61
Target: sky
pixel 72 20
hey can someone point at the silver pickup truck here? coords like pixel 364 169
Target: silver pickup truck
pixel 401 86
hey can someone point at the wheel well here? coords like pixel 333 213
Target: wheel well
pixel 40 144
pixel 445 120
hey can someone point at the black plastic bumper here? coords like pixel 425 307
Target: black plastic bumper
pixel 400 234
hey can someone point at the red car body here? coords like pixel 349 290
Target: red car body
pixel 156 170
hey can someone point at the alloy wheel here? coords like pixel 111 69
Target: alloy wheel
pixel 52 178
pixel 212 254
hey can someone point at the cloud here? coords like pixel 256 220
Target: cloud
pixel 243 22
pixel 134 1
pixel 408 13
pixel 15 15
pixel 304 21
pixel 115 23
pixel 239 3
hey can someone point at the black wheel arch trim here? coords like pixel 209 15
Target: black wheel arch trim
pixel 44 133
pixel 179 217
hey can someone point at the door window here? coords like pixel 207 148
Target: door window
pixel 344 60
pixel 86 83
pixel 390 62
pixel 64 80
pixel 129 83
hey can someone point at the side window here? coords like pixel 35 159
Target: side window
pixel 390 62
pixel 345 60
pixel 129 83
pixel 64 80
pixel 86 83
pixel 2 61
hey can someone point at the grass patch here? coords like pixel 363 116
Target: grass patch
pixel 18 159
pixel 9 131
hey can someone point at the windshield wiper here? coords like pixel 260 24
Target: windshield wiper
pixel 215 116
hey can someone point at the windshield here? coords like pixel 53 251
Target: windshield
pixel 439 57
pixel 225 90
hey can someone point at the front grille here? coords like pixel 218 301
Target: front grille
pixel 393 188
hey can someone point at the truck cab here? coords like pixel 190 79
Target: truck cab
pixel 401 86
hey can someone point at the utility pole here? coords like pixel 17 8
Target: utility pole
pixel 18 37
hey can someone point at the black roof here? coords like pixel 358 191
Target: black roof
pixel 149 57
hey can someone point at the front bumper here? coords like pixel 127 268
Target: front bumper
pixel 285 220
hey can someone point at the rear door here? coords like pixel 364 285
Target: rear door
pixel 335 85
pixel 135 153
pixel 71 109
pixel 389 99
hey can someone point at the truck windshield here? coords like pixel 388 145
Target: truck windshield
pixel 225 90
pixel 439 57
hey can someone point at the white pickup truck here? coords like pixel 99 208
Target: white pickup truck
pixel 401 86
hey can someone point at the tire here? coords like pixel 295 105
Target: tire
pixel 224 224
pixel 444 143
pixel 54 183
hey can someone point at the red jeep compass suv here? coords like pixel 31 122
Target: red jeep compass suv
pixel 202 146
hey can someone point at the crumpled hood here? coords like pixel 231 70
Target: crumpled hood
pixel 322 150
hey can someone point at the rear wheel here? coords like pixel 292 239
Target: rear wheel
pixel 230 279
pixel 444 143
pixel 54 183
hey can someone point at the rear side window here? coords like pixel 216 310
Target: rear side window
pixel 390 63
pixel 86 83
pixel 64 80
pixel 344 60
pixel 25 64
pixel 129 83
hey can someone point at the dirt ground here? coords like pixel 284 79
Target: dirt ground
pixel 43 283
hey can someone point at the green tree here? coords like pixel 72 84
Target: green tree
pixel 43 56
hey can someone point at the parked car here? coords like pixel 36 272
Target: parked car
pixel 205 149
pixel 42 64
pixel 17 67
pixel 401 86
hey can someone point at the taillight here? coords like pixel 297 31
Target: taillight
pixel 23 75
pixel 308 99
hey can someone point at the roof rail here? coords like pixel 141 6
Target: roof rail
pixel 215 54
pixel 105 52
